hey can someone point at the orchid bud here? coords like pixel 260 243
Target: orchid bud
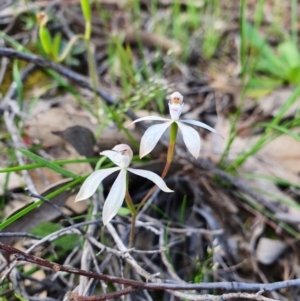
pixel 44 33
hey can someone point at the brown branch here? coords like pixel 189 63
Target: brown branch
pixel 75 297
pixel 65 72
pixel 227 286
pixel 229 296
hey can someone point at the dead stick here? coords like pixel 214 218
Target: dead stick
pixel 227 286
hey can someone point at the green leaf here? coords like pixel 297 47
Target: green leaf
pixel 124 211
pixel 293 75
pixel 263 65
pixel 86 10
pixel 289 54
pixel 48 164
pixel 46 40
pixel 44 229
pixel 18 81
pixel 66 242
pixel 256 41
pixel 56 45
pixel 38 165
pixel 260 86
pixel 282 130
pixel 19 297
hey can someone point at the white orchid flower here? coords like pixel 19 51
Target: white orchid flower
pixel 121 155
pixel 190 136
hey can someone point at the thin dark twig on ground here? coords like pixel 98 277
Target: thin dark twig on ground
pixel 76 297
pixel 226 286
pixel 19 234
pixel 66 72
pixel 66 216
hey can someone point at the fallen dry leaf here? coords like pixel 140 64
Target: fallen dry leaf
pixel 43 213
pixel 273 103
pixel 62 113
pixel 269 250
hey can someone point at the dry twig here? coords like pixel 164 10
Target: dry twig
pixel 226 286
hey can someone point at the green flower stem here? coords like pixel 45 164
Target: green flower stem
pixel 88 31
pixel 133 211
pixel 173 136
pixel 130 205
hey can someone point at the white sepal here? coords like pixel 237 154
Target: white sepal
pixel 92 182
pixel 152 177
pixel 154 118
pixel 151 137
pixel 115 197
pixel 200 124
pixel 114 156
pixel 191 139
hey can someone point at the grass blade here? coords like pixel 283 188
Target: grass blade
pixel 48 164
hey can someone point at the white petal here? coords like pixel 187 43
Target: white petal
pixel 151 137
pixel 155 118
pixel 201 124
pixel 191 139
pixel 121 155
pixel 115 197
pixel 152 177
pixel 92 182
pixel 114 156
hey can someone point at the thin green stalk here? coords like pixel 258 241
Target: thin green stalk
pixel 294 21
pixel 259 13
pixel 129 203
pixel 244 70
pixel 38 165
pixel 133 211
pixel 87 13
pixel 243 37
pixel 93 75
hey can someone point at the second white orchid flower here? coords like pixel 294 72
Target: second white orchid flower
pixel 121 155
pixel 190 136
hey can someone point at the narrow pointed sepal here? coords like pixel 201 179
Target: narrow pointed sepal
pixel 151 137
pixel 201 124
pixel 113 156
pixel 92 182
pixel 115 198
pixel 152 177
pixel 191 139
pixel 147 118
